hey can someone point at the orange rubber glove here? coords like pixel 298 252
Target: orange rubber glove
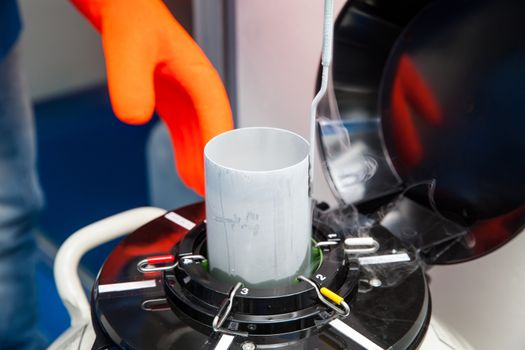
pixel 152 61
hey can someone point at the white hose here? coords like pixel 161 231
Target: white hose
pixel 69 255
pixel 326 60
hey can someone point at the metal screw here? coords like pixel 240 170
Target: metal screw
pixel 374 282
pixel 248 345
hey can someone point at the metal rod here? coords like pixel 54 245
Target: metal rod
pixel 326 61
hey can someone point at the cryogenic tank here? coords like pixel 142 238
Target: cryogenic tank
pixel 423 161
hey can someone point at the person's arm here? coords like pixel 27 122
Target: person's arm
pixel 153 63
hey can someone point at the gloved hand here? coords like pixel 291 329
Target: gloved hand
pixel 410 93
pixel 153 62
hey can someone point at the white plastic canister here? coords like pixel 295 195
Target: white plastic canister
pixel 258 209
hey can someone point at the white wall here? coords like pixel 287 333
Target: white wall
pixel 208 31
pixel 61 51
pixel 483 299
pixel 278 46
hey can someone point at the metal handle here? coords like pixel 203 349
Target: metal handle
pixel 361 245
pixel 345 311
pixel 224 311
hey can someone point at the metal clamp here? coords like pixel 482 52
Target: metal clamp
pixel 345 311
pixel 224 311
pixel 361 245
pixel 163 262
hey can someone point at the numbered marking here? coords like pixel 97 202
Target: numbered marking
pixel 244 291
pixel 320 277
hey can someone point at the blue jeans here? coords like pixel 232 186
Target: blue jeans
pixel 20 201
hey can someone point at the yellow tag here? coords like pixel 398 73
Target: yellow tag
pixel 332 296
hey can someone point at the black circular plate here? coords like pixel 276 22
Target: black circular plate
pixel 130 307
